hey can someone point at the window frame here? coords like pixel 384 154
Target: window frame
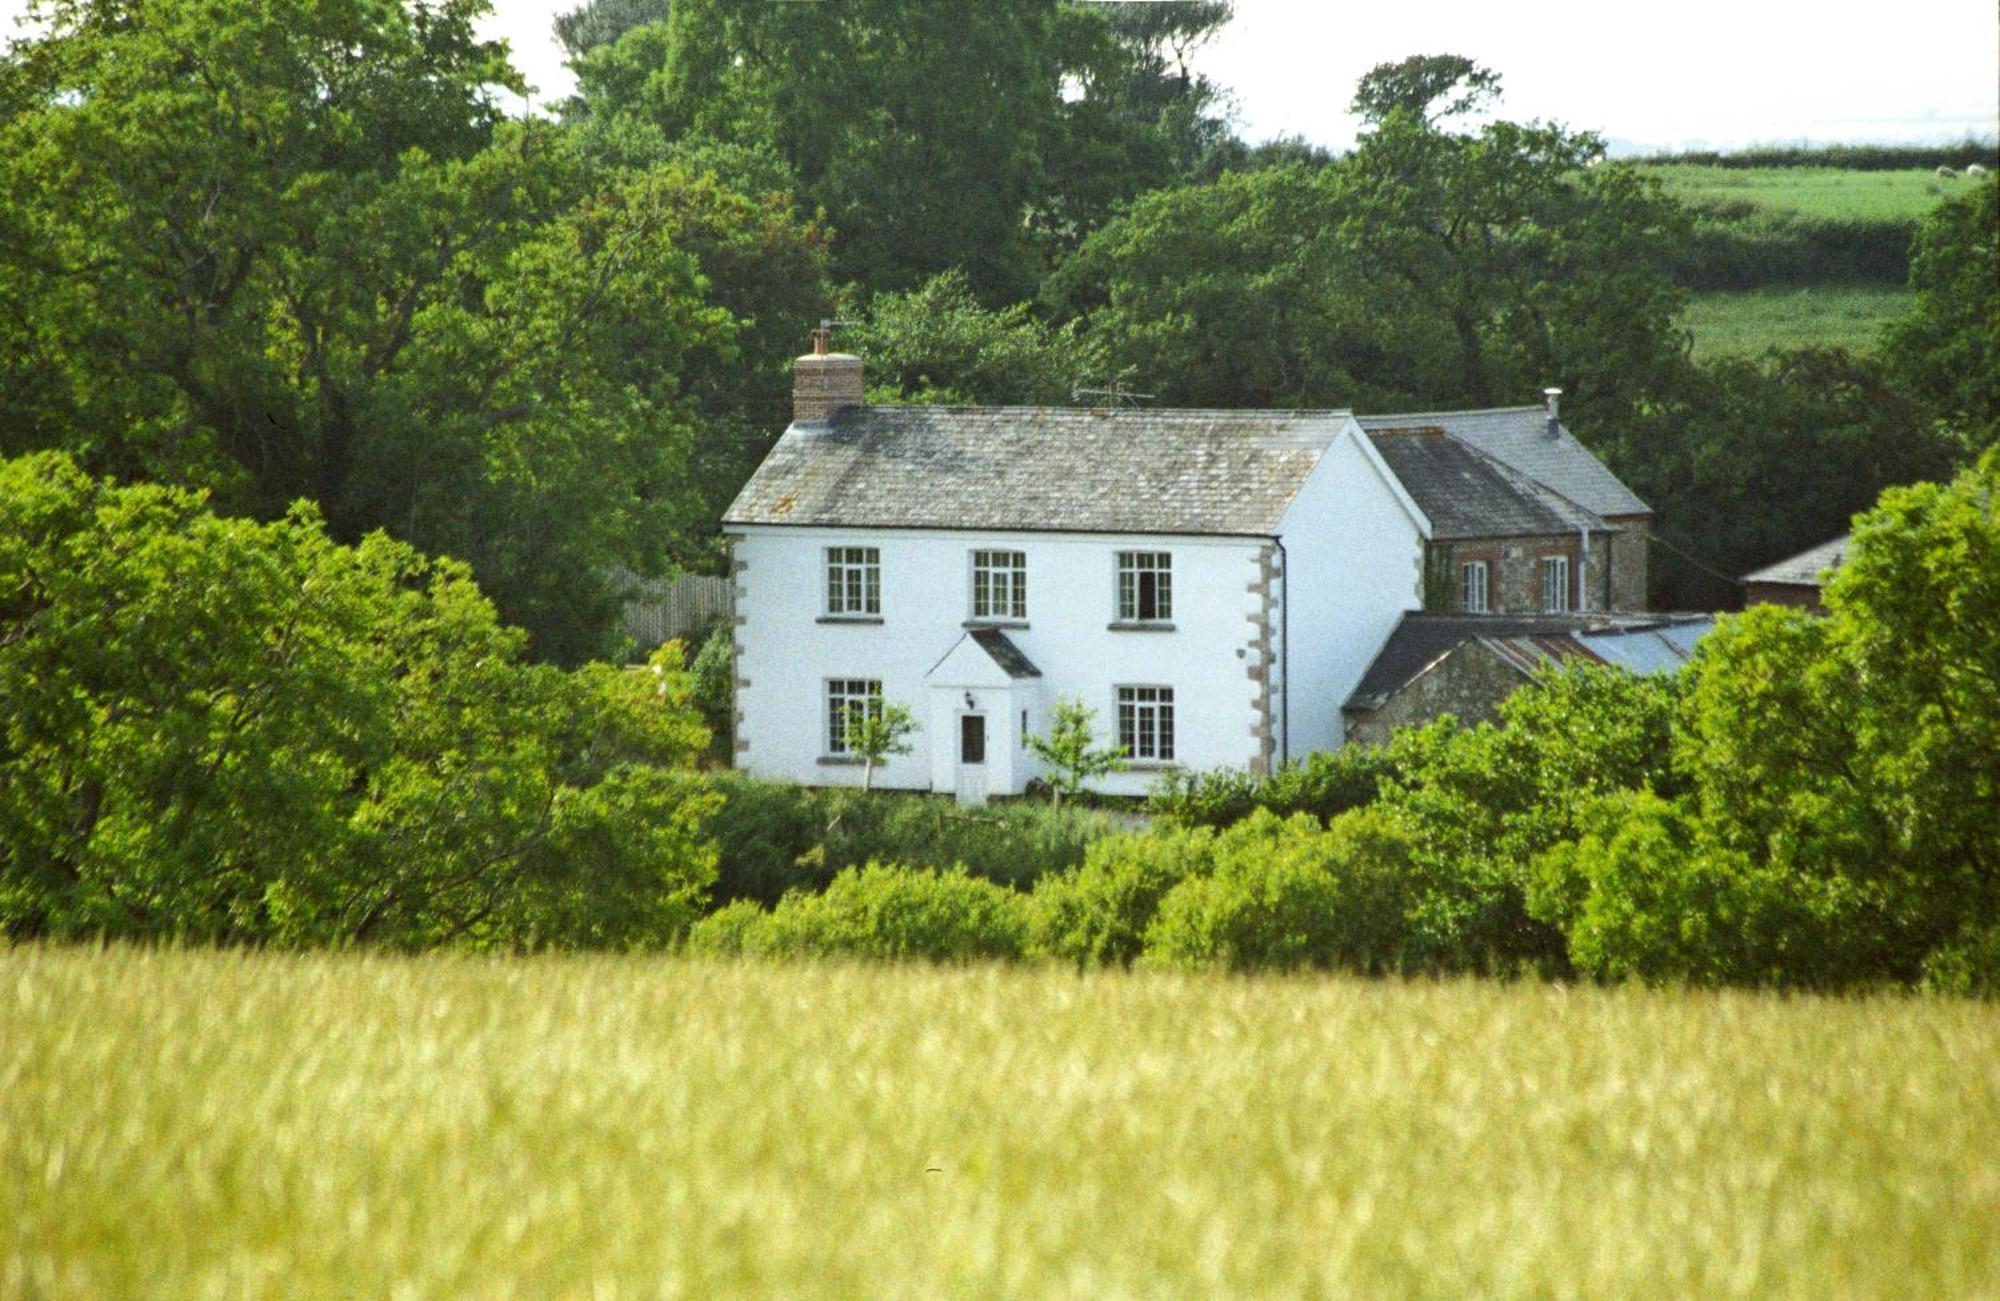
pixel 1485 585
pixel 1145 712
pixel 999 572
pixel 1565 592
pixel 853 575
pixel 840 701
pixel 1131 569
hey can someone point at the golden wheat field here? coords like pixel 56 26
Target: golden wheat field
pixel 200 1124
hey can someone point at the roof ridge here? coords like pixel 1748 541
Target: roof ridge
pixel 1454 411
pixel 936 408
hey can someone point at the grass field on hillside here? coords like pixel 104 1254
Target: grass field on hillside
pixel 227 1124
pixel 1746 322
pixel 1827 193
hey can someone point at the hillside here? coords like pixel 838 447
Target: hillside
pixel 1791 256
pixel 230 1123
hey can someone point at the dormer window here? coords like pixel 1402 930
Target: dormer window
pixel 999 585
pixel 853 581
pixel 1145 586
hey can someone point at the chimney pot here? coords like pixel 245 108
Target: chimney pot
pixel 1552 396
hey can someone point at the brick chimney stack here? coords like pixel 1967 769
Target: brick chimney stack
pixel 824 382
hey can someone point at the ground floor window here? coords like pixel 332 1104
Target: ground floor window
pixel 1555 584
pixel 855 699
pixel 1146 723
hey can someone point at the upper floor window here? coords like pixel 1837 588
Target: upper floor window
pixel 853 580
pixel 1145 586
pixel 1146 723
pixel 1555 584
pixel 1472 587
pixel 999 585
pixel 849 703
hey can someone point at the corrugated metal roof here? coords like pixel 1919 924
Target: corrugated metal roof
pixel 1040 469
pixel 1806 569
pixel 1660 649
pixel 1526 654
pixel 1524 439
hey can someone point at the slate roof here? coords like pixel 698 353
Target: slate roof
pixel 1005 653
pixel 1806 569
pixel 1643 644
pixel 1467 494
pixel 1521 438
pixel 1042 469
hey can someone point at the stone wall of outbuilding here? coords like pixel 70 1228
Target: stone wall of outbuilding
pixel 1469 683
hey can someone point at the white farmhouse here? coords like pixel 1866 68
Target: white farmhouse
pixel 1212 583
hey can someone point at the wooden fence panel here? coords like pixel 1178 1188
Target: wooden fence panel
pixel 657 612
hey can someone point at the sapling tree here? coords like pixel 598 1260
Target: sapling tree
pixel 874 734
pixel 1070 752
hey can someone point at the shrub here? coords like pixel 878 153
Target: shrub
pixel 714 670
pixel 1290 894
pixel 777 837
pixel 1325 785
pixel 1098 913
pixel 1968 965
pixel 1642 895
pixel 735 930
pixel 1480 804
pixel 886 912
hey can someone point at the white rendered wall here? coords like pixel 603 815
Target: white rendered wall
pixel 788 649
pixel 1354 556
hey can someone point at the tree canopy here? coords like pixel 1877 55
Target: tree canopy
pixel 1946 350
pixel 291 251
pixel 224 730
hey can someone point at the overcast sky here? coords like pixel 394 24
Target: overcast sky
pixel 1717 72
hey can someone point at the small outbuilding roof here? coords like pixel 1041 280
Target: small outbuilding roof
pixel 1638 643
pixel 1527 441
pixel 1040 469
pixel 1468 494
pixel 1806 569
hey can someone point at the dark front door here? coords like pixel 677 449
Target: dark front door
pixel 972 738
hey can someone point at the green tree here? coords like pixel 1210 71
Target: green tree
pixel 1517 255
pixel 1482 804
pixel 231 731
pixel 1069 750
pixel 915 127
pixel 1428 268
pixel 291 250
pixel 937 344
pixel 1427 87
pixel 1224 294
pixel 988 138
pixel 1720 453
pixel 1946 349
pixel 874 734
pixel 1836 778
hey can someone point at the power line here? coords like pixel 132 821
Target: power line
pixel 1698 564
